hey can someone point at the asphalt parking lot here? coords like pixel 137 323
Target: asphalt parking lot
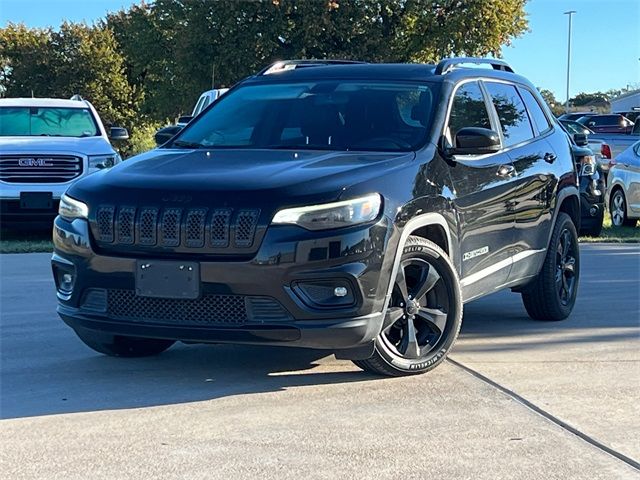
pixel 519 400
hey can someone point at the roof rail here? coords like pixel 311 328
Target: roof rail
pixel 448 64
pixel 77 97
pixel 283 65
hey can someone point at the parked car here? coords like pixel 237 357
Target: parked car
pixel 623 192
pixel 611 123
pixel 600 148
pixel 592 187
pixel 618 142
pixel 46 144
pixel 336 205
pixel 575 115
pixel 208 97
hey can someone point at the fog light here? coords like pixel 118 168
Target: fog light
pixel 593 211
pixel 66 282
pixel 340 291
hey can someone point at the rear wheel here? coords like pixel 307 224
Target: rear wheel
pixel 424 315
pixel 552 295
pixel 121 346
pixel 619 210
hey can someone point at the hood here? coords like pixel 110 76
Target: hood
pixel 45 145
pixel 237 177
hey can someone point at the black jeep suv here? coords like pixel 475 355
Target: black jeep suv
pixel 333 205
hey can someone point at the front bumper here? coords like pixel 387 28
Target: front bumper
pixel 288 257
pixel 592 190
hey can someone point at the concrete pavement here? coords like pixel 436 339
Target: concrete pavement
pixel 216 411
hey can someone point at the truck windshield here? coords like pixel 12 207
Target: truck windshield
pixel 318 115
pixel 47 121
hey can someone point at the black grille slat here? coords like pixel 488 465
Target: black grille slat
pixel 219 229
pixel 245 227
pixel 171 227
pixel 104 220
pixel 195 227
pixel 221 309
pixel 39 168
pixel 126 225
pixel 148 226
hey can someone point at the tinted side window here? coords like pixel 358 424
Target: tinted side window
pixel 515 123
pixel 468 109
pixel 537 115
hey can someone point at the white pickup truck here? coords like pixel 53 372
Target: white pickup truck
pixel 45 145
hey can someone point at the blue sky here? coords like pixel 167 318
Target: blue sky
pixel 606 38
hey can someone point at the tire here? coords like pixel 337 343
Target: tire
pixel 595 226
pixel 552 294
pixel 618 210
pixel 121 346
pixel 418 335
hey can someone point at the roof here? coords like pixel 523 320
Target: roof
pixel 625 95
pixel 382 71
pixel 43 102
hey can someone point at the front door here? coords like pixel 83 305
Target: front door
pixel 484 193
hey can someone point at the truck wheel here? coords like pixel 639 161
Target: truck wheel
pixel 552 294
pixel 121 346
pixel 424 315
pixel 619 210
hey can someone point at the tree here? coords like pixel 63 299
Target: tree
pixel 172 46
pixel 555 106
pixel 77 59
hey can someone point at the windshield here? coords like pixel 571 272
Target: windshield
pixel 319 115
pixel 47 121
pixel 575 127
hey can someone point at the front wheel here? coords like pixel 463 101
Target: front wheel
pixel 619 210
pixel 424 315
pixel 121 346
pixel 552 294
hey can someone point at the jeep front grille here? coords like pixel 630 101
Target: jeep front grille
pixel 185 229
pixel 39 168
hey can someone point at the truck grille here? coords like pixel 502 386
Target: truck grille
pixel 187 229
pixel 209 309
pixel 39 168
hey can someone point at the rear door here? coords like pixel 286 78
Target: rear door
pixel 483 194
pixel 525 128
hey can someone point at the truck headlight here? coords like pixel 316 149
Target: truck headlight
pixel 99 162
pixel 332 215
pixel 70 208
pixel 587 166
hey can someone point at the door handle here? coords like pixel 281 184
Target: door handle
pixel 506 170
pixel 550 157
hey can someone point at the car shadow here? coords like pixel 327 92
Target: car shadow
pixel 183 374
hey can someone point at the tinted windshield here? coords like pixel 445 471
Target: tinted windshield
pixel 47 121
pixel 324 115
pixel 575 127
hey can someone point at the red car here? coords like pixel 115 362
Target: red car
pixel 612 123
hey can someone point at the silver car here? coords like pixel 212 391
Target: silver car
pixel 623 192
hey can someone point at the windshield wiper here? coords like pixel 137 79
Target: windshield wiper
pixel 183 144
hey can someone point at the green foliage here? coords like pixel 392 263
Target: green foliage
pixel 140 139
pixel 556 107
pixel 172 47
pixel 77 59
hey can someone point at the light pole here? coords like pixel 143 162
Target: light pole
pixel 570 13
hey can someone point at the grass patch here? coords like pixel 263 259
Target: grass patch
pixel 613 234
pixel 32 242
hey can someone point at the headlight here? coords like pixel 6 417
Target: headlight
pixel 332 215
pixel 588 166
pixel 70 208
pixel 103 161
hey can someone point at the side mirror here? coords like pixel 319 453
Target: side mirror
pixel 185 119
pixel 475 141
pixel 165 134
pixel 581 139
pixel 118 133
